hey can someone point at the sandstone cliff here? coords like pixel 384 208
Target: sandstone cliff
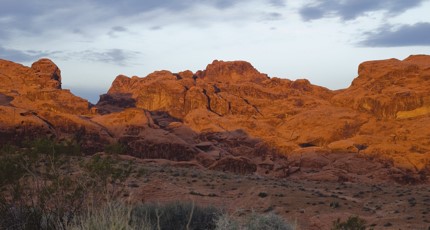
pixel 232 117
pixel 33 105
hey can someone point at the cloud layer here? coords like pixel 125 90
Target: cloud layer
pixel 103 24
pixel 110 56
pixel 24 56
pixel 351 9
pixel 406 35
pixel 25 15
pixel 118 57
pixel 89 20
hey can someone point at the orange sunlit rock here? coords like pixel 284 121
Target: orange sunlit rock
pixel 231 117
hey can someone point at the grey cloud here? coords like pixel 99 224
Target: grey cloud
pixel 311 13
pixel 119 29
pixel 3 33
pixel 23 9
pixel 351 9
pixel 156 28
pixel 407 35
pixel 224 4
pixel 24 55
pixel 138 6
pixel 272 16
pixel 114 31
pixel 86 18
pixel 23 13
pixel 279 3
pixel 112 56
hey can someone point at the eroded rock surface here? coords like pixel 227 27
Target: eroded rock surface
pixel 231 117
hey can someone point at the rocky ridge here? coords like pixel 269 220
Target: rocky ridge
pixel 231 117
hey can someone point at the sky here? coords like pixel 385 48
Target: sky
pixel 93 41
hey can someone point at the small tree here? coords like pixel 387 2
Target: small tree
pixel 360 147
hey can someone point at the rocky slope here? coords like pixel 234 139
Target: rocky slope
pixel 231 117
pixel 33 105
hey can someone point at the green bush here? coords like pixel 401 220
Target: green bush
pixel 116 148
pixel 51 147
pixel 70 148
pixel 353 223
pixel 11 169
pixel 37 191
pixel 41 146
pixel 107 169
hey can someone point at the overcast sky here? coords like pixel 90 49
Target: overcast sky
pixel 93 41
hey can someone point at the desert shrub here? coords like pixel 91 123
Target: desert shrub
pixel 11 169
pixel 269 221
pixel 108 169
pixel 111 215
pixel 46 146
pixel 334 204
pixel 176 216
pixel 68 147
pixel 349 129
pixel 40 146
pixel 115 148
pixel 36 190
pixel 45 207
pixel 8 149
pixel 360 147
pixel 226 222
pixel 262 194
pixel 100 167
pixel 352 223
pixel 41 189
pixel 21 216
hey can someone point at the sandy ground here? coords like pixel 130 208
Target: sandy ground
pixel 309 204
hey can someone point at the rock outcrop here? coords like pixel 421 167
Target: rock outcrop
pixel 390 88
pixel 231 117
pixel 33 105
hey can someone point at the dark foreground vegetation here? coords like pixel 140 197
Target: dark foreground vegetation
pixel 46 184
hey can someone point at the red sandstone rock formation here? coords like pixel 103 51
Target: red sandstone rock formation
pixel 34 105
pixel 231 117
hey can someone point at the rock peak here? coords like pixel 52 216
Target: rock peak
pixel 423 61
pixel 232 71
pixel 49 71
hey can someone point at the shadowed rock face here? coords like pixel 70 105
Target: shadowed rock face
pixel 231 117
